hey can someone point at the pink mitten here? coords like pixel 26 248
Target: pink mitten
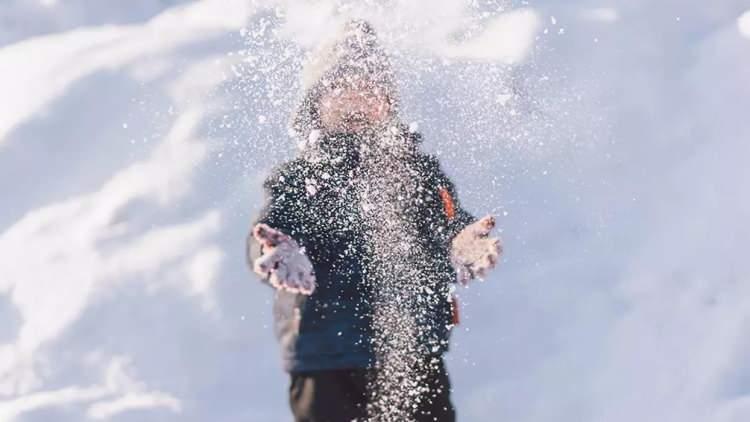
pixel 473 252
pixel 283 261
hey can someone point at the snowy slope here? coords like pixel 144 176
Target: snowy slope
pixel 21 19
pixel 609 138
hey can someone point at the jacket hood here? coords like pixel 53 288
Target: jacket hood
pixel 354 53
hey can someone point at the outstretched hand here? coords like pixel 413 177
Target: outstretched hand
pixel 474 252
pixel 283 262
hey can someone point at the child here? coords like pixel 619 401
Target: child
pixel 362 236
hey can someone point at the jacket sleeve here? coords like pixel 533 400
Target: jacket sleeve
pixel 283 209
pixel 448 214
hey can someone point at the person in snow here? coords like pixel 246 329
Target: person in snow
pixel 363 237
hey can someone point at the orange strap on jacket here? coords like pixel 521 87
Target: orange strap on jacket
pixel 448 206
pixel 455 316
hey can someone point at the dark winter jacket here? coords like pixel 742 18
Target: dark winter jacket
pixel 311 198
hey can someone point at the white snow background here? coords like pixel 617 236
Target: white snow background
pixel 610 137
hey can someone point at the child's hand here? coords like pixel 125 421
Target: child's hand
pixel 473 252
pixel 283 261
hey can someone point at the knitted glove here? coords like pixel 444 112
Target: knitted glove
pixel 473 252
pixel 283 263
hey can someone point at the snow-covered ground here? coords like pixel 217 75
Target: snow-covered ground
pixel 609 137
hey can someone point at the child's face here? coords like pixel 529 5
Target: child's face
pixel 353 107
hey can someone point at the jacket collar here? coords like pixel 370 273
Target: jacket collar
pixel 393 139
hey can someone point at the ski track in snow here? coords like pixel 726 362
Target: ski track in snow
pixel 609 141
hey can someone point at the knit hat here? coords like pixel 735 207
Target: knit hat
pixel 354 55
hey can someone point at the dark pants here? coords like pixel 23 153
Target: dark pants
pixel 342 396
